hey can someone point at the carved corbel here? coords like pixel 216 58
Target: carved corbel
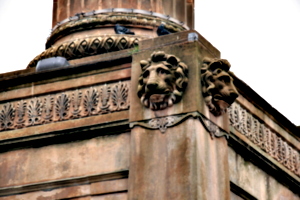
pixel 218 89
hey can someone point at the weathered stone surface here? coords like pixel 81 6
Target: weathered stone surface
pixel 80 191
pixel 182 163
pixel 255 181
pixel 54 162
pixel 173 8
pixel 117 196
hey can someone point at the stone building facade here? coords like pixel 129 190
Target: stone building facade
pixel 139 116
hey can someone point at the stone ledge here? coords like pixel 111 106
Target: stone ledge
pixel 69 182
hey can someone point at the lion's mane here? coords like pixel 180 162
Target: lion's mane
pixel 179 72
pixel 218 89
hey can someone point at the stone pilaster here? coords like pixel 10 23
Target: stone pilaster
pixel 177 147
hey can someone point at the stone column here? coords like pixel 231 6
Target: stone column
pixel 178 9
pixel 178 144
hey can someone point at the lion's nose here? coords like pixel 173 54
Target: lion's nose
pixel 151 86
pixel 234 95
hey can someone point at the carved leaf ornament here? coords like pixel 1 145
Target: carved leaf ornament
pixel 264 137
pixel 68 105
pixel 7 116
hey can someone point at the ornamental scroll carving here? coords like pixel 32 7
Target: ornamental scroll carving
pixel 163 123
pixel 218 89
pixel 50 108
pixel 162 81
pixel 264 137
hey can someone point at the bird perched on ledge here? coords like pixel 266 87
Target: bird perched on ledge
pixel 122 30
pixel 161 30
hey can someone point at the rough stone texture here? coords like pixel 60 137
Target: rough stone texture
pixel 81 191
pixel 88 157
pixel 255 181
pixel 182 163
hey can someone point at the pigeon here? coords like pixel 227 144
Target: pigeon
pixel 161 30
pixel 122 30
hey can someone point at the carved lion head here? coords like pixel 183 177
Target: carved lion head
pixel 162 81
pixel 218 89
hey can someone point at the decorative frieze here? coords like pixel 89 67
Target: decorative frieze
pixel 72 104
pixel 261 135
pixel 88 47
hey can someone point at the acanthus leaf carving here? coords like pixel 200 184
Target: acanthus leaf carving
pixel 48 105
pixel 76 101
pixel 105 95
pixel 34 112
pixel 7 116
pixel 90 101
pixel 52 108
pixel 21 111
pixel 119 96
pixel 62 107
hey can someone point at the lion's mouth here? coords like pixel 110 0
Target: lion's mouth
pixel 156 98
pixel 229 99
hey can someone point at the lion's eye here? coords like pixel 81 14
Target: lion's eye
pixel 225 79
pixel 146 74
pixel 218 71
pixel 162 71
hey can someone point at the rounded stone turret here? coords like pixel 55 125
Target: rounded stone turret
pixel 88 27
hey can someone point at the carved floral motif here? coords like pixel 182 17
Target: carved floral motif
pixel 7 116
pixel 21 111
pixel 76 100
pixel 64 106
pixel 90 101
pixel 264 137
pixel 105 94
pixel 162 123
pixel 35 111
pixel 119 96
pixel 48 107
pixel 162 81
pixel 218 89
